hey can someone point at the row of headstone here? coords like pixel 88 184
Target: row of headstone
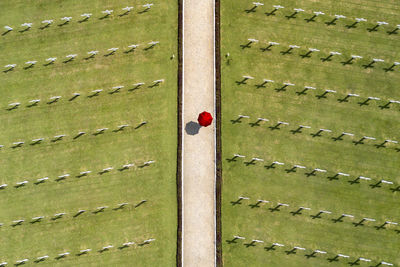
pixel 80 175
pixel 68 58
pixel 84 17
pixel 310 51
pixel 318 132
pixel 60 215
pixel 81 252
pixel 60 137
pixel 315 14
pixel 55 99
pixel 365 100
pixel 298 211
pixel 313 252
pixel 314 171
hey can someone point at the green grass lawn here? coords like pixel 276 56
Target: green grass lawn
pixel 322 191
pixel 156 140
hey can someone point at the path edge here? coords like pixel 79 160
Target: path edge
pixel 179 153
pixel 218 174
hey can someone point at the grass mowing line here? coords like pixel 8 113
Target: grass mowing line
pixel 58 138
pixel 367 64
pixel 319 214
pixel 93 93
pixel 81 252
pixel 313 172
pixel 59 215
pixel 85 17
pixel 352 22
pixel 319 132
pixel 81 174
pixel 312 252
pixel 91 55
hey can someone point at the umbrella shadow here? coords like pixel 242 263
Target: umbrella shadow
pixel 192 128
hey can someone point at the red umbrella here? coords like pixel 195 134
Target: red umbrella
pixel 205 119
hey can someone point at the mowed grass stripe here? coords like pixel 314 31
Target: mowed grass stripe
pixel 61 61
pixel 94 39
pixel 322 194
pixel 55 33
pixel 37 85
pixel 299 91
pixel 79 95
pixel 317 114
pixel 282 145
pixel 39 199
pixel 293 64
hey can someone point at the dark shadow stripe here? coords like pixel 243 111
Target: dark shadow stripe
pixel 179 139
pixel 218 175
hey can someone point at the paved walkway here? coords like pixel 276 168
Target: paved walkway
pixel 198 154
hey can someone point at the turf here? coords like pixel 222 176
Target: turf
pixel 322 191
pixel 155 140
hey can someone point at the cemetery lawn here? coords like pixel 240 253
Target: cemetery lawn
pixel 156 140
pixel 317 192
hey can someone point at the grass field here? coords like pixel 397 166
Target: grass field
pixel 325 190
pixel 155 140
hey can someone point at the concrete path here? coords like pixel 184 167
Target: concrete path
pixel 198 143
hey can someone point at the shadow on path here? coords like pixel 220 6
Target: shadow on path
pixel 192 128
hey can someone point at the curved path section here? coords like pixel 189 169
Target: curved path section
pixel 198 143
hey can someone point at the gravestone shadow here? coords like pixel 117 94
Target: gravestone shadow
pixel 192 128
